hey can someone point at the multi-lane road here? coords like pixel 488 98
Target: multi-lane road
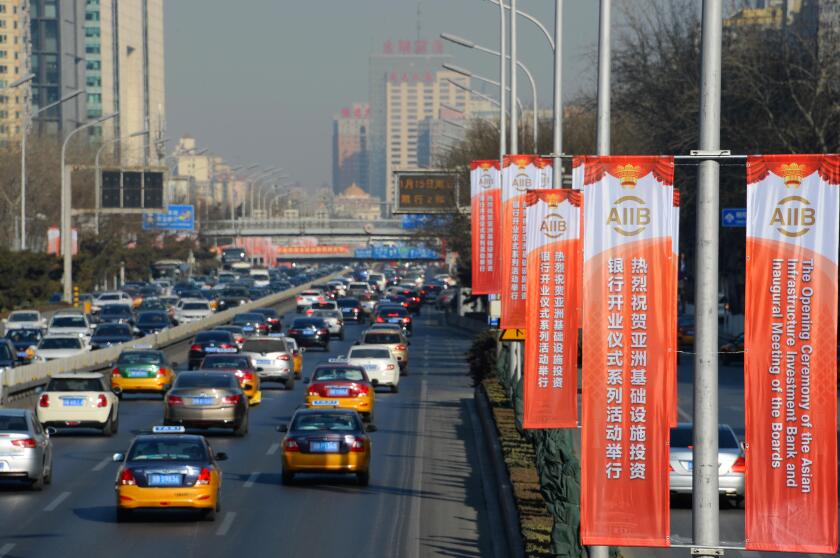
pixel 425 495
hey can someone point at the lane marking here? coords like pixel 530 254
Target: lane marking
pixel 57 502
pixel 272 449
pixel 414 541
pixel 226 524
pixel 251 480
pixel 102 464
pixel 6 548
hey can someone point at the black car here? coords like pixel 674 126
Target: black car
pixel 116 314
pixel 210 343
pixel 152 321
pixel 23 339
pixel 252 323
pixel 412 299
pixel 394 315
pixel 310 332
pixel 351 309
pixel 272 317
pixel 8 354
pixel 108 334
pixel 228 302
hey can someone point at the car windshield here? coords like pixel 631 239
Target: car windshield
pixel 338 373
pixel 153 319
pixel 116 310
pixel 12 424
pixel 323 306
pixel 265 346
pixel 325 313
pixel 213 337
pixel 75 384
pixel 213 380
pixel 61 343
pixel 5 353
pixel 24 335
pixel 23 317
pixel 268 312
pixel 347 303
pixel 393 312
pixel 137 357
pixel 370 353
pixel 226 363
pixel 381 338
pixel 247 318
pixel 336 422
pixel 167 450
pixel 107 297
pixel 195 306
pixel 303 323
pixel 683 437
pixel 69 321
pixel 112 329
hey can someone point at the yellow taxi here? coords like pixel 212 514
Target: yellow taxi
pixel 326 441
pixel 142 371
pixel 341 386
pixel 168 469
pixel 297 356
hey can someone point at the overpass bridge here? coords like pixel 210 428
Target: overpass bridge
pixel 348 230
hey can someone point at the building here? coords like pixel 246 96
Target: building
pixel 350 147
pixel 435 137
pixel 14 64
pixel 125 74
pixel 57 62
pixel 355 203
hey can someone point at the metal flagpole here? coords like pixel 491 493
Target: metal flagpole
pixel 558 93
pixel 514 117
pixel 503 87
pixel 705 504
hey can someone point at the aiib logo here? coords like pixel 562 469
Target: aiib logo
pixel 553 226
pixel 792 217
pixel 522 182
pixel 628 216
pixel 485 181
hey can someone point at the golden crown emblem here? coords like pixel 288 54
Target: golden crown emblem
pixel 628 175
pixel 522 162
pixel 793 174
pixel 553 200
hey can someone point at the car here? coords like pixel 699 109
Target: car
pixel 152 303
pixel 351 309
pixel 237 331
pixel 731 461
pixel 326 441
pixel 412 300
pixel 116 314
pixel 326 305
pixel 210 342
pixel 25 343
pixel 24 319
pixel 337 286
pixel 732 350
pixel 394 340
pixel 70 322
pixel 307 298
pixel 53 347
pixel 273 358
pixel 377 281
pixel 446 298
pixel 79 400
pixel 142 371
pixel 168 469
pixel 334 321
pixel 297 355
pixel 242 367
pixel 206 399
pixel 394 315
pixel 429 292
pixel 685 331
pixel 8 355
pixel 151 322
pixel 342 386
pixel 112 297
pixel 26 448
pixel 379 363
pixel 252 323
pixel 228 302
pixel 192 309
pixel 107 334
pixel 310 332
pixel 272 317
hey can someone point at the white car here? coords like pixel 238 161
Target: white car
pixel 444 278
pixel 261 277
pixel 334 321
pixel 81 400
pixel 339 286
pixel 380 364
pixel 358 287
pixel 114 297
pixel 192 309
pixel 273 358
pixel 70 322
pixel 53 347
pixel 24 319
pixel 308 298
pixel 378 280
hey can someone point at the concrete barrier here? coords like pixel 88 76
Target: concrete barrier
pixel 25 378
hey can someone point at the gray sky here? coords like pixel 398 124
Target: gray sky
pixel 258 81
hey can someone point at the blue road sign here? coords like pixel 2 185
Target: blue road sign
pixel 175 218
pixel 733 217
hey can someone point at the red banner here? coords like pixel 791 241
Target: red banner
pixel 486 205
pixel 520 173
pixel 627 336
pixel 671 378
pixel 553 252
pixel 790 364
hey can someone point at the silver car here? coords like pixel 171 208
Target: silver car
pixel 274 357
pixel 334 321
pixel 25 448
pixel 730 461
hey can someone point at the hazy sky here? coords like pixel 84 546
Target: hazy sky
pixel 259 81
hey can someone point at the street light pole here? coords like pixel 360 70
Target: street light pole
pixel 558 93
pixel 503 86
pixel 483 96
pixel 98 171
pixel 14 85
pixel 514 118
pixel 66 211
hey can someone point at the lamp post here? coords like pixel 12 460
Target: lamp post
pixel 98 171
pixel 66 202
pixel 14 85
pixel 487 98
pixel 255 181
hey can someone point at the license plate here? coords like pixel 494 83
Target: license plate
pixel 73 402
pixel 338 392
pixel 202 400
pixel 265 361
pixel 218 350
pixel 248 328
pixel 325 403
pixel 22 354
pixel 323 447
pixel 137 373
pixel 166 480
pixel 370 367
pixel 308 333
pixel 393 320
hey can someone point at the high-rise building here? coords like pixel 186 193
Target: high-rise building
pixel 350 148
pixel 14 64
pixel 125 73
pixel 58 63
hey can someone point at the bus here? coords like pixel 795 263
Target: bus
pixel 232 255
pixel 169 269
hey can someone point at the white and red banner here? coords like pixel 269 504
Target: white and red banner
pixel 553 253
pixel 486 210
pixel 673 390
pixel 628 334
pixel 790 362
pixel 520 173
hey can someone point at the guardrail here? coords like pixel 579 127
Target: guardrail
pixel 25 378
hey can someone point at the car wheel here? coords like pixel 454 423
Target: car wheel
pixel 326 347
pixel 119 395
pixel 341 334
pixel 368 417
pixel 363 479
pixel 242 428
pixel 287 477
pixel 395 388
pixel 290 383
pixel 38 483
pixel 404 371
pixel 115 425
pixel 107 428
pixel 123 515
pixel 210 514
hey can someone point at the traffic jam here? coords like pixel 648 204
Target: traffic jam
pixel 212 385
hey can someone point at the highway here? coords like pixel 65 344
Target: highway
pixel 425 496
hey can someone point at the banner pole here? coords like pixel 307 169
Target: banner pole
pixel 706 512
pixel 514 116
pixel 558 93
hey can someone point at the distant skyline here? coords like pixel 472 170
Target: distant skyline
pixel 261 83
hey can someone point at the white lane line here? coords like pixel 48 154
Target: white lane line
pixel 251 480
pixel 417 483
pixel 272 449
pixel 227 522
pixel 102 464
pixel 57 502
pixel 5 549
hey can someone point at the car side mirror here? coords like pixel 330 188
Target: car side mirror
pixel 39 389
pixel 375 382
pixel 51 431
pixel 303 349
pixel 742 445
pixel 221 456
pixel 306 380
pixel 408 343
pixel 357 343
pixel 174 365
pixel 370 428
pixel 118 457
pixel 282 428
